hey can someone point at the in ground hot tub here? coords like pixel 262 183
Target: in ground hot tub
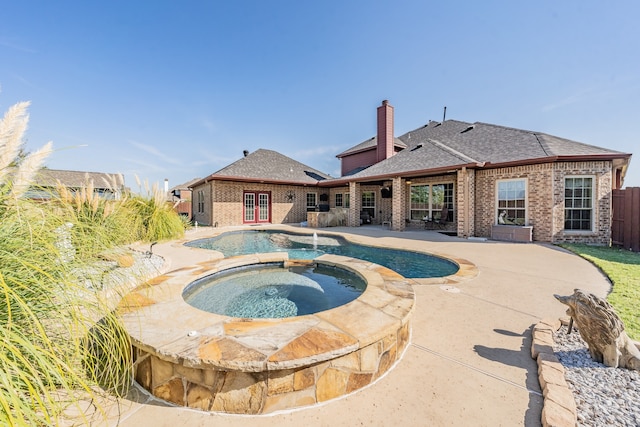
pixel 243 365
pixel 272 290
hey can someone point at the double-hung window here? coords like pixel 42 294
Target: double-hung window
pixel 338 200
pixel 578 203
pixel 369 203
pixel 512 202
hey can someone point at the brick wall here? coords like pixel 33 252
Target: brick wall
pixel 465 196
pixel 545 199
pixel 602 174
pixel 224 202
pixel 399 203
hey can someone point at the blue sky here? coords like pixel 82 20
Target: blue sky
pixel 178 89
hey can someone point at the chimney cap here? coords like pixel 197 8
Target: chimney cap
pixel 385 102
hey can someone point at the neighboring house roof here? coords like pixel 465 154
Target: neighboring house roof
pixel 185 186
pixel 77 179
pixel 177 190
pixel 267 166
pixel 453 144
pixel 370 144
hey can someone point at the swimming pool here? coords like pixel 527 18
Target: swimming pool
pixel 303 246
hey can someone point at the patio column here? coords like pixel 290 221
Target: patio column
pixel 354 210
pixel 397 205
pixel 465 202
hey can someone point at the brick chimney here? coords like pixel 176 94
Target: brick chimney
pixel 385 131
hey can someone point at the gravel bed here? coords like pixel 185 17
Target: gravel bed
pixel 604 396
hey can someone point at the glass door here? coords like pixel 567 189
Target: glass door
pixel 257 207
pixel 249 207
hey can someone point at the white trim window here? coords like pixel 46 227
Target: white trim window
pixel 312 201
pixel 338 198
pixel 511 203
pixel 369 203
pixel 346 200
pixel 578 203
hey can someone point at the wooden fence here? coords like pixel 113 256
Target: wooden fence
pixel 625 228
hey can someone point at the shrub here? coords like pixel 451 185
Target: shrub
pixel 53 344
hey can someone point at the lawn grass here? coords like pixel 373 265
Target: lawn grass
pixel 623 269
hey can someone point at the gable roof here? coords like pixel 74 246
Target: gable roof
pixel 370 144
pixel 452 144
pixel 268 166
pixel 77 179
pixel 185 186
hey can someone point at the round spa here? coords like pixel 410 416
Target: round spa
pixel 243 364
pixel 274 291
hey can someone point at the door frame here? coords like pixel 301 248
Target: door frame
pixel 256 207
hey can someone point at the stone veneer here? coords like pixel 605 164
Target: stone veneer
pixel 254 366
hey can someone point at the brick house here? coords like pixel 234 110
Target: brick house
pixel 473 179
pixel 180 197
pixel 105 185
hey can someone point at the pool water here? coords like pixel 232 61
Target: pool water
pixel 407 263
pixel 272 291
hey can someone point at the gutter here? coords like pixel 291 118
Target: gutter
pixel 407 174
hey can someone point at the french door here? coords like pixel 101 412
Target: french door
pixel 257 207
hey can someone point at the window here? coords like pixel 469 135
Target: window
pixel 428 200
pixel 420 201
pixel 512 202
pixel 369 203
pixel 311 201
pixel 200 201
pixel 578 203
pixel 338 200
pixel 347 200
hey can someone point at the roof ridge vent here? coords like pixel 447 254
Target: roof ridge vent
pixel 419 145
pixel 468 128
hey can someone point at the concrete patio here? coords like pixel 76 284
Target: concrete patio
pixel 469 361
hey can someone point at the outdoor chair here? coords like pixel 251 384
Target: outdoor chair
pixel 444 218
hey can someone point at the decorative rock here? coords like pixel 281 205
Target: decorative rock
pixel 280 382
pixel 172 391
pixel 554 415
pixel 560 394
pixel 602 329
pixel 199 397
pixel 332 383
pixel 603 395
pixel 241 394
pixel 551 376
pixel 303 379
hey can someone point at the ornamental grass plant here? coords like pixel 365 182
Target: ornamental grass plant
pixel 61 344
pixel 158 218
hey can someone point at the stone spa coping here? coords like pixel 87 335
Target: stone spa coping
pixel 213 362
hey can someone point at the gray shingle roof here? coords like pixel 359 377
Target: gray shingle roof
pixel 454 143
pixel 271 166
pixel 77 179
